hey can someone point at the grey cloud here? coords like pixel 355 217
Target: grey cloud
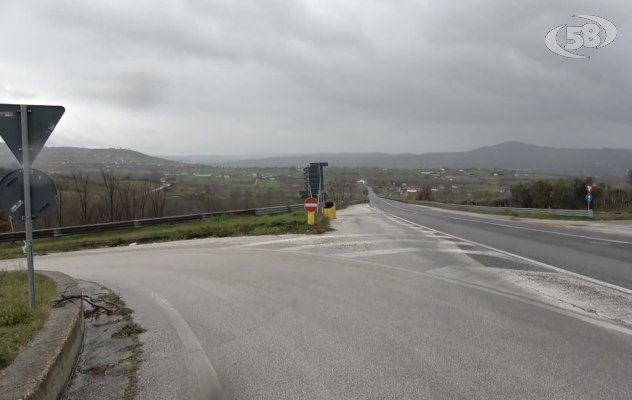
pixel 254 75
pixel 135 89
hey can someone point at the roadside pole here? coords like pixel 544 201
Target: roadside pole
pixel 28 218
pixel 25 130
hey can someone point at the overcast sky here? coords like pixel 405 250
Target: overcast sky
pixel 182 77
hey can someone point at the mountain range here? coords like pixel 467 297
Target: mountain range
pixel 79 155
pixel 603 162
pixel 509 155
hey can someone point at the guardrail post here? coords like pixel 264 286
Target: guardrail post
pixel 57 232
pixel 137 224
pixel 205 217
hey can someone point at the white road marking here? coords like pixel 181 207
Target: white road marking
pixel 203 380
pixel 378 252
pixel 521 228
pixel 332 244
pixel 369 253
pixel 529 260
pixel 300 239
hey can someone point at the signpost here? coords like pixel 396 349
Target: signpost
pixel 25 129
pixel 311 205
pixel 589 196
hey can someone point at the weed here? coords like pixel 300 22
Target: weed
pixel 117 241
pixel 129 329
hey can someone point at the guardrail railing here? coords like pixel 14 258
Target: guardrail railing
pixel 141 223
pixel 550 211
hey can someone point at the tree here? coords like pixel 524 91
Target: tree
pixel 5 224
pixel 140 200
pixel 425 193
pixel 59 208
pixel 157 202
pixel 111 183
pixel 629 177
pixel 83 185
pixel 126 195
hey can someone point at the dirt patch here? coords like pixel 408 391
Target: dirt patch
pixel 111 354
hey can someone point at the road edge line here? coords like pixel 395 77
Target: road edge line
pixel 205 384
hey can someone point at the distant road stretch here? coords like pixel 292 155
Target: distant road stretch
pixel 595 253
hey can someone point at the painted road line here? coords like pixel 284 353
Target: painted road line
pixel 300 239
pixel 363 242
pixel 370 253
pixel 203 380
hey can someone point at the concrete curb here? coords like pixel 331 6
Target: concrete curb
pixel 42 370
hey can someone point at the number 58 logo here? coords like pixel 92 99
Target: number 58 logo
pixel 587 35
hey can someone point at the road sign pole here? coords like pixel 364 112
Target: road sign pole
pixel 28 219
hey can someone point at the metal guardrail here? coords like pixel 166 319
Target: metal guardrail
pixel 279 209
pixel 550 211
pixel 141 223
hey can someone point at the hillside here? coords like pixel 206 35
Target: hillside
pixel 605 163
pixel 509 155
pixel 75 155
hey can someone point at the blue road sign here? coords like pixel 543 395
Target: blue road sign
pixel 43 194
pixel 589 197
pixel 42 120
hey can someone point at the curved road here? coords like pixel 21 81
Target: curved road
pixel 356 314
pixel 595 253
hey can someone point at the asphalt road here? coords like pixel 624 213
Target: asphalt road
pixel 375 310
pixel 595 253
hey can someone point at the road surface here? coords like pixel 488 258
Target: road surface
pixel 602 254
pixel 378 309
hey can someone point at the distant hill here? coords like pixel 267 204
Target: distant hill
pixel 605 163
pixel 509 155
pixel 220 159
pixel 77 155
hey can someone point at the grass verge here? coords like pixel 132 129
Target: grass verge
pixel 18 324
pixel 598 216
pixel 222 226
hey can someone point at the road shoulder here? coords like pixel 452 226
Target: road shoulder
pixel 107 367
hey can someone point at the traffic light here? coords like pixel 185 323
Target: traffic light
pixel 314 181
pixel 306 178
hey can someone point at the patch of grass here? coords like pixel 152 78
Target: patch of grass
pixel 18 324
pixel 266 183
pixel 613 217
pixel 221 226
pixel 127 330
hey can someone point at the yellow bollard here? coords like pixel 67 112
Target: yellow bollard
pixel 332 212
pixel 326 213
pixel 311 218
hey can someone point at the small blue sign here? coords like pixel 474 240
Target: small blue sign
pixel 589 197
